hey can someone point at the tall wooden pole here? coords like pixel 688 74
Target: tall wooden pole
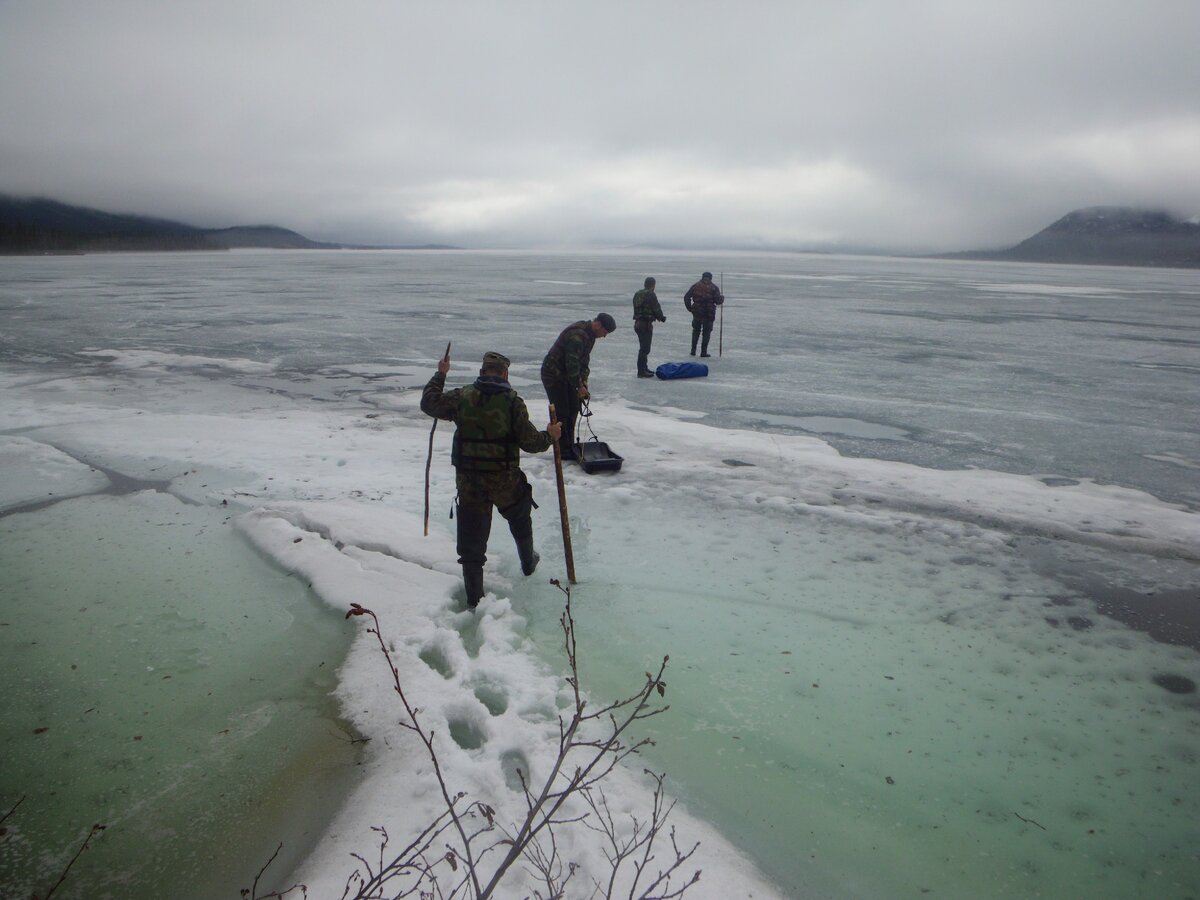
pixel 429 459
pixel 562 505
pixel 721 332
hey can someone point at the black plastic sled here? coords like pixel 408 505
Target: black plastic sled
pixel 596 456
pixel 593 454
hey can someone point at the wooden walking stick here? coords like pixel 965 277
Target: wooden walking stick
pixel 562 505
pixel 429 459
pixel 721 333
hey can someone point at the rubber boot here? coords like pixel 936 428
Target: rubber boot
pixel 520 522
pixel 473 582
pixel 529 556
pixel 474 526
pixel 695 338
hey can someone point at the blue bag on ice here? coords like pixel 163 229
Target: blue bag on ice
pixel 668 371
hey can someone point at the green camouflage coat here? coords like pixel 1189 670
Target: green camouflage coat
pixel 493 423
pixel 646 307
pixel 568 359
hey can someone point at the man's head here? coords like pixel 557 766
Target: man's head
pixel 495 364
pixel 603 324
pixel 707 276
pixel 650 282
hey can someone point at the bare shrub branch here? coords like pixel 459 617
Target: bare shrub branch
pixel 466 853
pixel 96 829
pixel 252 893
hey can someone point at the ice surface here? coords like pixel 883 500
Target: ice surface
pixel 36 472
pixel 891 672
pixel 881 684
pixel 829 425
pixel 133 632
pixel 480 684
pixel 144 359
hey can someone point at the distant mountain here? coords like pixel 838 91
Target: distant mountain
pixel 265 236
pixel 38 225
pixel 1110 236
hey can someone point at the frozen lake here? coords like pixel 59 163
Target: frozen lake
pixel 924 551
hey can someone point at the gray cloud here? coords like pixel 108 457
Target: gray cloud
pixel 913 126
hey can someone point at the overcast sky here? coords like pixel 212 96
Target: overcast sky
pixel 893 125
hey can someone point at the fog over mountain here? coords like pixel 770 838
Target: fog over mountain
pixel 1114 236
pixel 918 127
pixel 37 225
pixel 1098 235
pixel 30 225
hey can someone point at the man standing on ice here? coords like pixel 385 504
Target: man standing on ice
pixel 646 311
pixel 565 371
pixel 493 429
pixel 702 300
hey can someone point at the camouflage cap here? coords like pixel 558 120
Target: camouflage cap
pixel 609 323
pixel 492 358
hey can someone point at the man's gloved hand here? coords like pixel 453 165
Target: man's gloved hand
pixel 662 318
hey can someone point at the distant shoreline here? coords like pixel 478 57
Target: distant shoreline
pixel 1097 236
pixel 5 252
pixel 36 226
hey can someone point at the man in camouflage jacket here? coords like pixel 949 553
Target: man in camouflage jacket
pixel 646 312
pixel 493 429
pixel 565 372
pixel 702 300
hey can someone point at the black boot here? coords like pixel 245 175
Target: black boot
pixel 474 526
pixel 520 522
pixel 529 556
pixel 473 582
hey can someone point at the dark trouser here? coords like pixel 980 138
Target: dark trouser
pixel 697 327
pixel 566 407
pixel 478 492
pixel 645 335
